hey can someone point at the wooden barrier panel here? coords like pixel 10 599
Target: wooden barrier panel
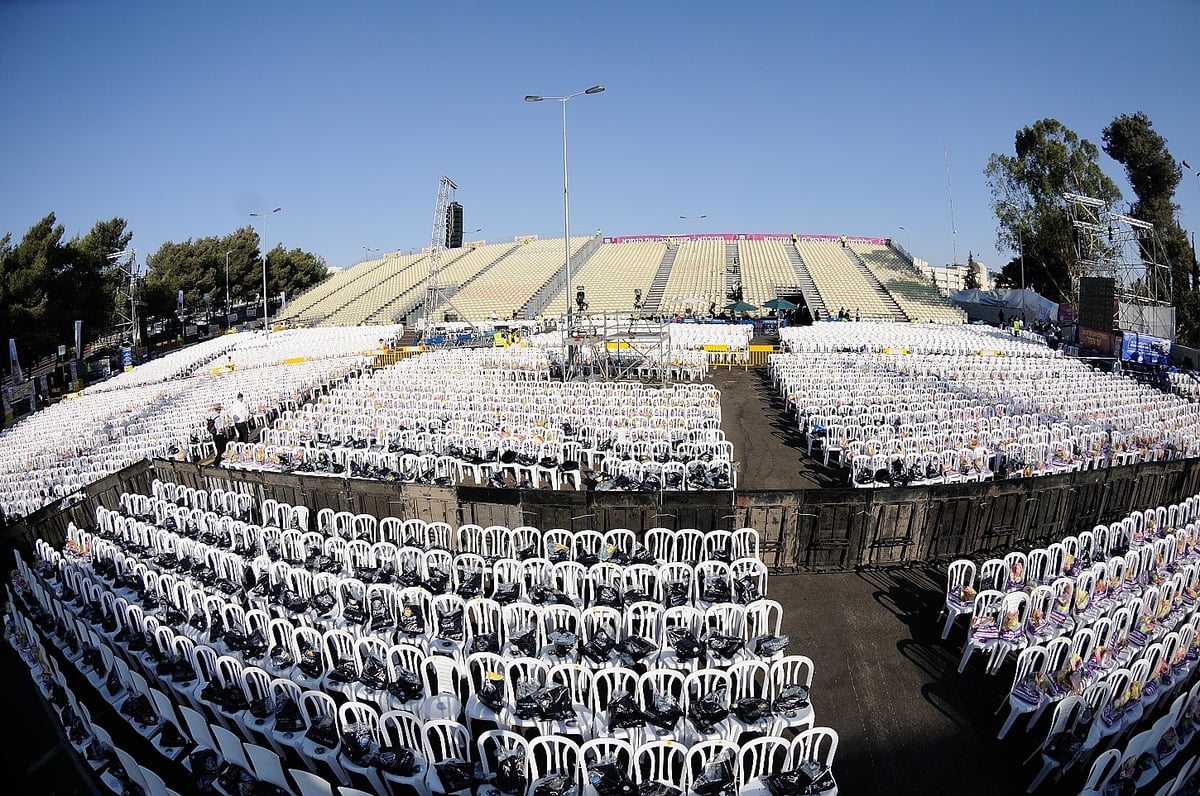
pixel 799 531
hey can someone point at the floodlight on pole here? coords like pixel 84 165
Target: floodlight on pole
pixel 266 327
pixel 566 207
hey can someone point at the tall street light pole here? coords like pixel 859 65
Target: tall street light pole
pixel 566 207
pixel 266 326
pixel 907 241
pixel 227 253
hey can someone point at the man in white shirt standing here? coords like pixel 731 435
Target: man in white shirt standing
pixel 241 418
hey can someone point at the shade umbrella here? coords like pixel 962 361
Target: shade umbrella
pixel 741 306
pixel 779 304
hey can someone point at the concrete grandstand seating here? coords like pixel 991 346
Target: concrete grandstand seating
pixel 697 278
pixel 840 283
pixel 915 294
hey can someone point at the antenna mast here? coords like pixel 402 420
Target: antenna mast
pixel 950 194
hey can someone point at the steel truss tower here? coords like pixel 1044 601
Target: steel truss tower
pixel 1125 249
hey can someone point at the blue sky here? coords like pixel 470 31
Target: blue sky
pixel 827 118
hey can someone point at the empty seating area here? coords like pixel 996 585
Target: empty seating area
pixel 339 289
pixel 697 278
pixel 610 276
pixel 511 283
pixel 259 643
pixel 159 409
pixel 398 275
pixel 840 282
pixel 1101 631
pixel 491 416
pixel 911 404
pixel 765 266
pixel 911 289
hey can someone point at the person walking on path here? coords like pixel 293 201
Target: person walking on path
pixel 241 418
pixel 219 431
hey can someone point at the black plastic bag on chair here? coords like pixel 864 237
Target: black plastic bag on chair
pixel 323 732
pixel 525 699
pixel 554 703
pixel 608 596
pixel 354 611
pixel 293 602
pixel 456 775
pixel 450 625
pixel 766 646
pixel 715 589
pixel 255 645
pixel 634 649
pixel 653 787
pixel 510 775
pixel 237 780
pixel 412 620
pixel 138 708
pixel 752 709
pixel 623 712
pixel 205 765
pixel 436 582
pixel 262 708
pixel 791 698
pixel 608 777
pixel 722 645
pixel 406 686
pixel 556 783
pixel 746 590
pixel 676 594
pixel 526 642
pixel 373 674
pixel 358 746
pixel 491 691
pixel 484 642
pixel 633 595
pixel 709 710
pixel 716 776
pixel 663 711
pixel 471 585
pixel 564 642
pixel 807 778
pixel 397 759
pixel 281 658
pixel 600 647
pixel 380 615
pixel 685 644
pixel 323 602
pixel 344 671
pixel 506 593
pixel 287 716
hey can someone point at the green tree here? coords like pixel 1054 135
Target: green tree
pixel 1027 193
pixel 93 291
pixel 30 267
pixel 971 280
pixel 197 267
pixel 1154 176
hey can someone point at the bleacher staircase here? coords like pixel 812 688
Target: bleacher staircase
pixel 733 269
pixel 659 285
pixel 808 288
pixel 886 297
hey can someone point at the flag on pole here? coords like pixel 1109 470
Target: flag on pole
pixel 14 363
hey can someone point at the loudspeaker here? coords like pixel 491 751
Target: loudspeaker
pixel 454 226
pixel 1096 307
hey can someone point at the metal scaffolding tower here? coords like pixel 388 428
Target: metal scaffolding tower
pixel 1120 247
pixel 435 294
pixel 127 323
